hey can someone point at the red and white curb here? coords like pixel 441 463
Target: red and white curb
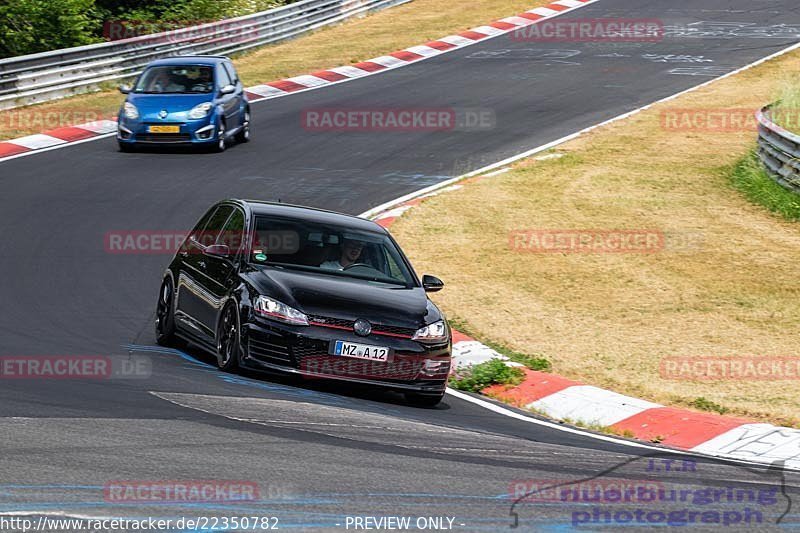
pixel 57 137
pixel 65 136
pixel 564 399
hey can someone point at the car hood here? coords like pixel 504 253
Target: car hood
pixel 340 297
pixel 152 104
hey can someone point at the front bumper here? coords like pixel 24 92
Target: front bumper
pixel 202 131
pixel 304 351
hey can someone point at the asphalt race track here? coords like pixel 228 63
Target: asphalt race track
pixel 318 453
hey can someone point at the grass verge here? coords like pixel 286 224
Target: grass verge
pixel 723 285
pixel 786 111
pixel 387 31
pixel 599 428
pixel 752 180
pixel 493 372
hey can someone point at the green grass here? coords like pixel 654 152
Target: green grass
pixel 534 362
pixel 750 178
pixel 480 376
pixel 599 428
pixel 786 112
pixel 705 404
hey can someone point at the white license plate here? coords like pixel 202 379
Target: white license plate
pixel 361 351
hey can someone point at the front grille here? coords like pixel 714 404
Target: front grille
pixel 315 360
pixel 377 329
pixel 309 349
pixel 269 349
pixel 164 137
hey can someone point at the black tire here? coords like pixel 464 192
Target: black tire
pixel 222 143
pixel 124 147
pixel 229 339
pixel 243 135
pixel 165 317
pixel 423 400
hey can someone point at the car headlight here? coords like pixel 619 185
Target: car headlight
pixel 269 308
pixel 130 111
pixel 432 332
pixel 200 110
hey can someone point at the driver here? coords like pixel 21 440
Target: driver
pixel 164 83
pixel 351 253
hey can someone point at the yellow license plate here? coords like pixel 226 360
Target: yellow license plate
pixel 164 129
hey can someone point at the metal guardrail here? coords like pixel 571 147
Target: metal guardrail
pixel 50 75
pixel 779 151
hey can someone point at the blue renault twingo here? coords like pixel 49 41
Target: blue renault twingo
pixel 190 100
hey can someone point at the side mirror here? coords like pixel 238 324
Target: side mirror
pixel 228 89
pixel 218 250
pixel 124 88
pixel 432 283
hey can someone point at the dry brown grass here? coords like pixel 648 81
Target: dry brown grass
pixel 608 319
pixel 378 34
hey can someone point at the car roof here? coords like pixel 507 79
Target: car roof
pixel 311 214
pixel 189 60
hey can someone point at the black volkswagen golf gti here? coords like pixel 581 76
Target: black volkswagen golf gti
pixel 324 295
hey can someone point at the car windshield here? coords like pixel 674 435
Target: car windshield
pixel 171 79
pixel 322 248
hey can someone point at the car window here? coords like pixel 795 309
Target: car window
pixel 166 79
pixel 211 231
pixel 231 72
pixel 232 235
pixel 198 228
pixel 224 78
pixel 391 264
pixel 203 221
pixel 327 249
